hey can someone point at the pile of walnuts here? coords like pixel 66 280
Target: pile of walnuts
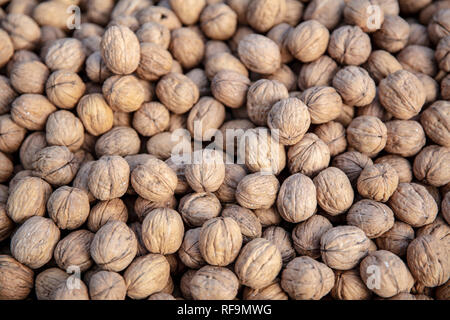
pixel 336 185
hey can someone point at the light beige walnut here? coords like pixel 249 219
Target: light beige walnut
pixel 363 14
pixel 47 281
pixel 214 283
pixel 334 135
pixel 435 120
pixel 308 41
pixel 119 141
pixel 430 165
pixel 257 191
pixel 264 14
pixel 349 45
pixel 31 111
pixel 248 222
pixel 189 252
pixel 282 239
pixel 56 165
pixel 205 118
pixel 378 182
pixel 16 279
pixel 105 211
pixel 206 172
pixel 317 73
pixel 177 92
pixel 107 285
pixel 272 292
pixel 367 134
pixel 259 54
pixel 95 113
pixel 349 286
pixel 327 12
pixel 218 21
pixel 355 86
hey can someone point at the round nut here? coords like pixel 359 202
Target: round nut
pixel 334 135
pixel 123 93
pixel 367 134
pixel 434 121
pixel 248 222
pixel 205 118
pixel 257 191
pixel 29 77
pixel 155 62
pixel 378 182
pixel 206 173
pixel 197 208
pixel 187 47
pixel 429 165
pixel 355 86
pixel 67 54
pixel 189 252
pixel 272 292
pixel 349 45
pixel 259 54
pixel 364 13
pixel 177 92
pixel 119 141
pixel 95 113
pixel 349 286
pixel 74 251
pixel 16 280
pixel 397 239
pixel 218 21
pixel 31 111
pixel 214 283
pixel 317 73
pixel 106 285
pixel 306 235
pixel 47 281
pixel 264 14
pixel 308 41
pixel 281 238
pixel 393 34
pixel 64 129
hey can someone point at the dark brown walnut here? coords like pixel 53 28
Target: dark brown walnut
pixel 114 246
pixel 396 239
pixel 431 165
pixel 123 93
pixel 74 251
pixel 189 251
pixel 264 14
pixel 68 207
pixel 56 165
pixel 366 14
pixel 29 77
pixel 6 224
pixel 214 283
pixel 234 173
pixel 258 264
pixel 64 129
pixel 20 208
pixel 402 94
pixel 109 177
pixel 439 27
pixel 47 281
pixel 307 279
pixel 435 121
pixel 205 118
pixel 257 191
pixel 230 88
pixel 268 217
pixel 416 58
pixel 7 94
pixel 31 111
pixel 271 292
pixel 146 275
pixel 306 235
pixel 328 12
pixel 400 164
pixel 317 73
pixel 16 280
pixel 413 204
pixel 187 47
pixel 349 45
pixel 177 92
pixel 378 182
pixel 11 134
pixel 162 231
pixel 296 200
pixel 106 285
pixel 404 137
pixel 33 243
pixel 334 135
pixel 23 31
pixel 259 54
pixel 279 34
pixel 156 61
pixel 381 64
pixel 105 211
pixel 334 191
pixel 281 238
pixel 393 34
pixel 308 41
pixel 220 241
pixel 119 141
pixel 443 292
pixel 343 247
pixel 151 118
pixel 349 286
pixel 218 21
pixel 355 86
pixel 393 274
pixel 65 53
pixel 367 134
pixel 248 222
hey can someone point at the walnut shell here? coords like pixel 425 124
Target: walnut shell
pixel 435 121
pixel 317 73
pixel 378 182
pixel 349 45
pixel 230 88
pixel 166 144
pixel 257 191
pixel 11 134
pixel 22 29
pixel 158 14
pixel 220 233
pixel 31 111
pixel 397 239
pixel 187 47
pixel 29 77
pixel 327 12
pixel 205 118
pixel 324 104
pixel 259 54
pixel 6 224
pixel 355 86
pixel 152 32
pixel 16 280
pixel 258 263
pixel 268 217
pixel 96 69
pixel 199 77
pixel 218 21
pixel 429 165
pixel 385 274
pixel 352 163
pixel 441 54
pixel 74 251
pixel 438 28
pixel 65 291
pixel 248 222
pixel 234 173
pixel 420 59
pixel 393 34
pixel 279 34
pixel 56 165
pixel 47 281
pixel 264 14
pixel 95 113
pixel 151 118
pixel 400 164
pixel 223 61
pixel 364 13
pixel 381 64
pixel 33 243
pixel 7 94
pixel 114 246
pixel 7 48
pixel 105 211
pixel 405 137
pixel 206 172
pixel 106 285
pixel 308 41
pixel 123 93
pixel 306 235
pixel 367 134
pixel 66 53
pixel 189 252
pixel 281 238
pixel 155 62
pixel 214 283
pixel 64 129
pixel 119 141
pixel 82 178
pixel 272 292
pixel 307 279
pixel 334 135
pixel 177 92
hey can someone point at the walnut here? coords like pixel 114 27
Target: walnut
pixel 198 76
pixel 109 177
pixel 163 145
pixel 264 14
pixel 33 243
pixel 187 11
pixel 309 156
pixel 47 281
pixel 413 204
pixel 29 77
pixel 349 45
pixel 233 175
pixel 64 88
pixel 106 285
pixel 429 165
pixel 66 53
pixel 272 292
pixel 155 62
pixel 95 113
pixel 205 118
pixel 6 49
pixel 364 13
pixel 153 32
pixel 230 88
pixel 179 168
pixel 248 222
pixel 23 31
pixel 114 246
pixel 445 87
pixel 393 34
pixel 123 93
pixel 154 180
pixel 96 69
pixel 6 167
pixel 442 54
pixel 189 252
pixel 159 15
pixel 187 47
pixel 6 224
pixel 82 178
pixel 162 231
pixel 212 283
pixel 281 238
pixel 377 182
pixel 367 134
pixel 374 218
pixel 143 206
pixel 400 164
pixel 223 61
pixel 177 92
pixel 258 263
pixel 349 286
pixel 308 41
pixel 64 129
pixel 285 75
pixel 306 235
pixel 307 279
pixel 206 172
pixel 120 141
pixel 279 34
pixel 374 109
pixel 416 58
pixel 355 86
pixel 257 191
pixel 31 111
pixel 434 121
pixel 397 239
pixel 324 104
pixel 402 94
pixel 405 137
pixel 68 207
pixel 7 94
pixel 259 54
pixel 16 279
pixel 218 21
pixel 64 291
pixel 56 165
pixel 161 296
pixel 333 134
pixel 268 217
pixel 418 34
pixel 317 73
pixel 146 275
pixel 151 118
pixel 294 12
pixel 213 47
pixel 430 86
pixel 73 250
pixel 439 27
pixel 239 7
pixel 4 193
pixel 105 211
pixel 381 64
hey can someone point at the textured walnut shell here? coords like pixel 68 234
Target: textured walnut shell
pixel 258 263
pixel 31 111
pixel 206 172
pixel 105 211
pixel 309 156
pixel 220 241
pixel 16 280
pixel 199 77
pixel 189 252
pixel 279 34
pixel 230 88
pixel 33 243
pixel 11 134
pixel 22 29
pixel 119 141
pixel 66 53
pixel 114 246
pixel 153 32
pixel 378 182
pixel 65 291
pixel 393 34
pixel 109 177
pixel 214 283
pixel 6 224
pixel 6 49
pixel 259 54
pixel 349 45
pixel 123 93
pixel 187 11
pixel 257 191
pixel 397 239
pixel 439 26
pixel 82 179
pixel 272 292
pixel 47 281
pixel 352 163
pixel 218 21
pixel 120 50
pixel 420 59
pixel 151 118
pixel 165 144
pixel 106 285
pixel 74 251
pixel 7 94
pixel 435 121
pixel 381 64
pixel 281 238
pixel 220 61
pixel 20 208
pixel 137 229
pixel 64 129
pixel 307 279
pixel 374 218
pixel 334 191
pixel 155 62
pixel 324 104
pixel 95 113
pixel 234 173
pixel 441 54
pixel 29 77
pixel 367 134
pixel 187 47
pixel 431 87
pixel 362 14
pixel 205 118
pixel 285 75
pixel 405 137
pixel 268 217
pixel 413 204
pixel 327 12
pixel 402 94
pixel 161 296
pixel 306 235
pixel 430 165
pixel 343 247
pixel 264 14
pixel 177 92
pixel 158 14
pixel 317 73
pixel 146 275
pixel 96 69
pixel 248 222
pixel 308 41
pixel 355 86
pixel 162 231
pixel 443 292
pixel 334 135
pixel 385 274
